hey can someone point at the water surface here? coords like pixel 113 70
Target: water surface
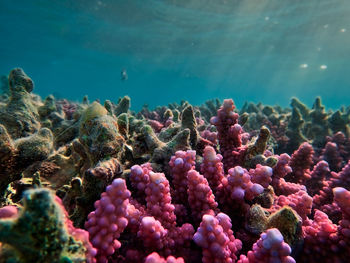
pixel 249 50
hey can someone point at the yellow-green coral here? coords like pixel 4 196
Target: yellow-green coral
pixel 39 233
pixel 93 111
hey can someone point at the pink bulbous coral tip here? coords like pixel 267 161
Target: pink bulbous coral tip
pixel 9 211
pixel 209 153
pixel 273 236
pixel 136 169
pixel 339 192
pixel 178 162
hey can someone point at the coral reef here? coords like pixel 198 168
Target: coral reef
pixel 92 182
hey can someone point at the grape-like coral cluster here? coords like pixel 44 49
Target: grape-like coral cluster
pixel 175 184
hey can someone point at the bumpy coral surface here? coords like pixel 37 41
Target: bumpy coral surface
pixel 98 182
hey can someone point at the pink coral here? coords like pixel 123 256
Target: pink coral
pixel 269 248
pixel 331 154
pixel 135 213
pixel 320 240
pixel 325 241
pixel 342 178
pixel 301 202
pixel 155 258
pixel 200 196
pixel 216 238
pixel 69 108
pixel 209 135
pixel 139 178
pixel 108 221
pixel 159 200
pixel 229 132
pixel 342 199
pixel 301 163
pixel 212 167
pixel 261 175
pixel 281 169
pixel 152 233
pixel 237 187
pixel 156 125
pixel 180 164
pixel 318 175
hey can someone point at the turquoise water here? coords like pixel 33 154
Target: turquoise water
pixel 252 50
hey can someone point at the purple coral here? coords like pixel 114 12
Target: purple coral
pixel 212 167
pixel 269 248
pixel 108 221
pixel 200 196
pixel 237 187
pixel 216 238
pixel 229 131
pixel 180 164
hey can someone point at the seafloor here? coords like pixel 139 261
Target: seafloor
pixel 92 182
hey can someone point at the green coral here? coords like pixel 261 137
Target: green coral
pixel 188 121
pixel 36 147
pixel 294 131
pixel 302 108
pixel 20 115
pixel 93 111
pixel 98 135
pixel 122 106
pixel 286 220
pixel 123 124
pixel 48 107
pixel 39 233
pixel 288 223
pixel 255 150
pixel 319 128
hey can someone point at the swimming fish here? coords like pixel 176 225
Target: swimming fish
pixel 124 75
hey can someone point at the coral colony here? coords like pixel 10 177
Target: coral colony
pixel 85 182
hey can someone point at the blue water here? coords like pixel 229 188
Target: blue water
pixel 252 50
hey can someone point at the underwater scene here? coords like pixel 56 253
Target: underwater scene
pixel 214 131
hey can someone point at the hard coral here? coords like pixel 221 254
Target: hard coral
pixel 40 233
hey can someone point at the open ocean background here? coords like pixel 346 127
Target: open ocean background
pixel 255 50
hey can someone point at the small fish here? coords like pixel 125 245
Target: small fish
pixel 124 75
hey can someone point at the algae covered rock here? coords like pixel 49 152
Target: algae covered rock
pixel 286 220
pixel 7 151
pixel 121 107
pixel 36 147
pixel 48 107
pixel 99 134
pixel 40 233
pixel 8 162
pixel 16 156
pixel 20 115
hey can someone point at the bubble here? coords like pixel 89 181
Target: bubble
pixel 343 30
pixel 304 65
pixel 323 67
